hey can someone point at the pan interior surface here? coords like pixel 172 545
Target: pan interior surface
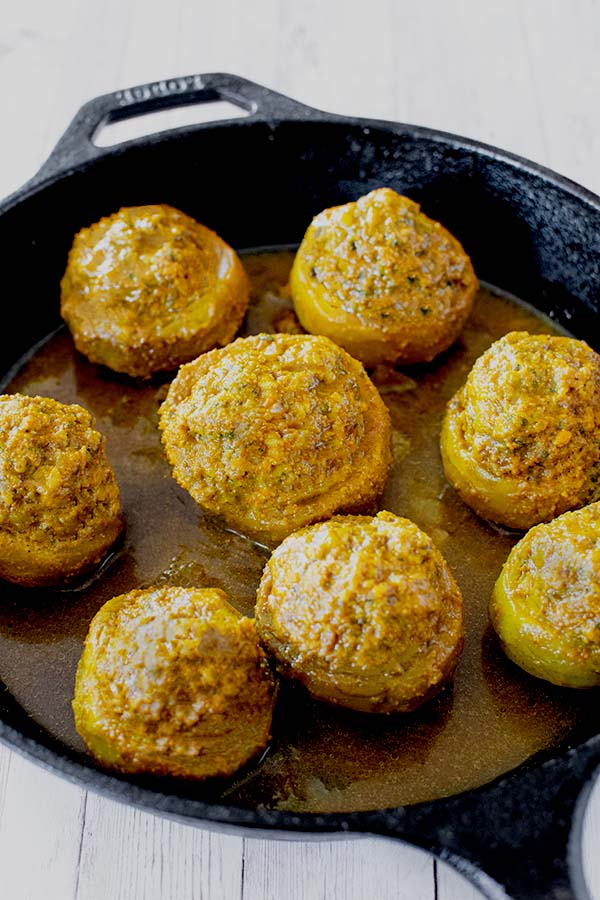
pixel 321 759
pixel 258 183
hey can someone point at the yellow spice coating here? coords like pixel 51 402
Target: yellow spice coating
pixel 172 682
pixel 546 602
pixel 521 439
pixel 149 288
pixel 363 611
pixel 383 280
pixel 276 431
pixel 59 500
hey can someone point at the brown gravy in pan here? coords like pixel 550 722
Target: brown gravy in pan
pixel 321 759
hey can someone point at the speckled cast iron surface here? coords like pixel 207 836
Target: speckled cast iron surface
pixel 533 233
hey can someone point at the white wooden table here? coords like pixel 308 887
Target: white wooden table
pixel 522 74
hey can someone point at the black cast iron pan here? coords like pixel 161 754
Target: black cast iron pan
pixel 258 181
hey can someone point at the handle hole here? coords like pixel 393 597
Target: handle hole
pixel 110 133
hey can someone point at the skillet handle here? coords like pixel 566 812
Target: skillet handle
pixel 520 837
pixel 76 146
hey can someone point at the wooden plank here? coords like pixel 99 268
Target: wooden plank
pixel 41 819
pixel 563 52
pixel 127 854
pixel 5 760
pixel 336 870
pixel 452 886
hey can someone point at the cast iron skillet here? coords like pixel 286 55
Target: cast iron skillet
pixel 258 181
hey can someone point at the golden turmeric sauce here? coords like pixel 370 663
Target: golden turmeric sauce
pixel 321 759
